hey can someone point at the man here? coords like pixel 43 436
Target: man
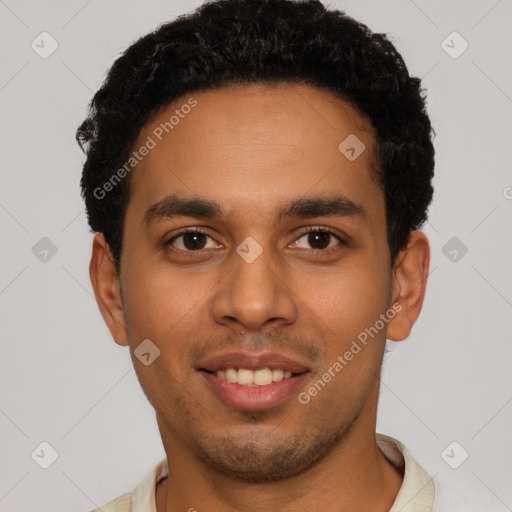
pixel 256 174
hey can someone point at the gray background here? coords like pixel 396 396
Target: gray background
pixel 62 378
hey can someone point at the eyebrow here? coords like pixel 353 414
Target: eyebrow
pixel 304 207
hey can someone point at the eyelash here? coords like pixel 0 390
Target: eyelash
pixel 310 229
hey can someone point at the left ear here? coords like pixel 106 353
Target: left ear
pixel 410 275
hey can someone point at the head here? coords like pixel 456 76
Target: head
pixel 294 142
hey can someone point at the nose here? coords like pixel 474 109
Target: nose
pixel 254 295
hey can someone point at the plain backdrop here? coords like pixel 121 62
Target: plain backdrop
pixel 65 382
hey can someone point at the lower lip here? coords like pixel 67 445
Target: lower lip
pixel 254 398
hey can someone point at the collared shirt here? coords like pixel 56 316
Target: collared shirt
pixel 416 493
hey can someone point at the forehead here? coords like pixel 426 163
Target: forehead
pixel 245 145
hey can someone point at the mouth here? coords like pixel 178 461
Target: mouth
pixel 248 382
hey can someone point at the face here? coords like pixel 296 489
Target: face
pixel 252 242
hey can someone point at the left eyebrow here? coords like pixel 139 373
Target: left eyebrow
pixel 304 207
pixel 310 207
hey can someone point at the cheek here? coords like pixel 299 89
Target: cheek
pixel 172 310
pixel 349 307
pixel 153 308
pixel 348 300
pixel 163 297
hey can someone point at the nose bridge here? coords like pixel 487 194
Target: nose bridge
pixel 254 292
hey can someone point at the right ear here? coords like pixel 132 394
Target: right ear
pixel 107 289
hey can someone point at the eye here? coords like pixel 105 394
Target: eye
pixel 192 240
pixel 195 240
pixel 320 239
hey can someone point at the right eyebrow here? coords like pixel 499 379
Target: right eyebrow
pixel 175 206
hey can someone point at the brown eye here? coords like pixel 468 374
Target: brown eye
pixel 320 239
pixel 190 241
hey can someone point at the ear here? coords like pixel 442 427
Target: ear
pixel 410 275
pixel 107 290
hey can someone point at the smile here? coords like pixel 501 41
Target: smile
pixel 246 394
pixel 248 377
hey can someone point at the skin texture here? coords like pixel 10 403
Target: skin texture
pixel 252 148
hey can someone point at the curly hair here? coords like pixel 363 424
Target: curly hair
pixel 267 41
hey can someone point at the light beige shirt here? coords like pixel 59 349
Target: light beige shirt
pixel 415 495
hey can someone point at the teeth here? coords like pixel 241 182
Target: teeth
pixel 262 377
pixel 277 375
pixel 231 375
pixel 246 377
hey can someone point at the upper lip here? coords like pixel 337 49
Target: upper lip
pixel 251 361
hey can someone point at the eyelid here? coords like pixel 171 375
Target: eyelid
pixel 184 231
pixel 334 232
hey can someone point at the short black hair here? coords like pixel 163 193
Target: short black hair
pixel 227 42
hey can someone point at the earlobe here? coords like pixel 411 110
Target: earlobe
pixel 107 291
pixel 410 276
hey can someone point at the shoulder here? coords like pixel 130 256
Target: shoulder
pixel 461 495
pixel 142 498
pixel 122 503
